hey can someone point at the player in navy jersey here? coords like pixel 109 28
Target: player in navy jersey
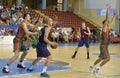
pixel 41 48
pixel 84 33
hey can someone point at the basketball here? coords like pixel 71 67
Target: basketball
pixel 54 47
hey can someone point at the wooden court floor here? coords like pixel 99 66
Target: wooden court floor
pixel 79 65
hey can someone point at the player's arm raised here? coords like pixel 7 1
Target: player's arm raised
pixel 113 19
pixel 106 19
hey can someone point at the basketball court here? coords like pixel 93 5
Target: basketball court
pixel 62 66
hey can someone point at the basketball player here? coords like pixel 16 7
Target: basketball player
pixel 33 39
pixel 21 43
pixel 104 56
pixel 41 48
pixel 84 39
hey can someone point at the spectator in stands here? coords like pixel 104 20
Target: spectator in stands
pixel 1 7
pixel 71 35
pixel 20 19
pixel 112 33
pixel 15 18
pixel 119 35
pixel 2 32
pixel 72 29
pixel 61 37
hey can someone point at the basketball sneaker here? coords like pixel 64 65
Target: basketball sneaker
pixel 73 56
pixel 28 69
pixel 95 71
pixel 21 66
pixel 5 70
pixel 91 68
pixel 44 74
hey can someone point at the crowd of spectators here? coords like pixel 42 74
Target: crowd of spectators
pixel 13 16
pixel 95 37
pixel 65 36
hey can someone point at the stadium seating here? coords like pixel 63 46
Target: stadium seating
pixel 68 19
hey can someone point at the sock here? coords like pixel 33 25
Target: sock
pixel 92 65
pixel 31 67
pixel 99 67
pixel 88 57
pixel 44 69
pixel 7 66
pixel 21 62
pixel 75 53
pixel 88 54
